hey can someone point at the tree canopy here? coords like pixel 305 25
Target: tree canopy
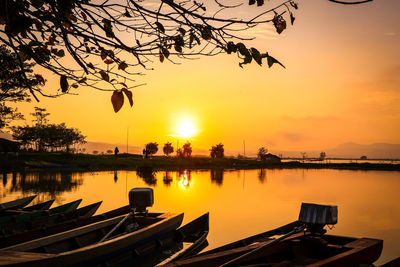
pixel 108 44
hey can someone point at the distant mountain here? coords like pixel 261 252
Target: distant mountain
pixel 351 150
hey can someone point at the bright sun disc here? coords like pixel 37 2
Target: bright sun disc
pixel 186 128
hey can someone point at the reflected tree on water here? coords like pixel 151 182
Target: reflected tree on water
pixel 47 185
pixel 115 176
pixel 262 175
pixel 167 178
pixel 148 175
pixel 217 176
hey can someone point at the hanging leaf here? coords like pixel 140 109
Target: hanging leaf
pixel 40 79
pixel 279 23
pixel 160 26
pixel 103 55
pixel 108 61
pixel 108 28
pixel 84 16
pixel 292 18
pixel 252 2
pixel 293 4
pixel 260 2
pixel 271 61
pixel 117 100
pixel 104 75
pixel 64 84
pixel 182 31
pixel 123 84
pixel 128 95
pixel 256 55
pixel 74 85
pixel 161 57
pixel 122 65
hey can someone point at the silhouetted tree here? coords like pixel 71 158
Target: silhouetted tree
pixel 322 155
pixel 168 149
pixel 95 152
pixel 109 151
pixel 14 86
pixel 43 136
pixel 151 148
pixel 262 153
pixel 364 157
pixel 217 151
pixel 179 153
pixel 187 150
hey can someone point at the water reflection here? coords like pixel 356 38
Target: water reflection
pixel 184 178
pixel 250 200
pixel 47 185
pixel 262 175
pixel 167 179
pixel 217 176
pixel 148 174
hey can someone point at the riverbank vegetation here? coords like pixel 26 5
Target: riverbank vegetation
pixel 87 162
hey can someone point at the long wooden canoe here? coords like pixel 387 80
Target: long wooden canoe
pixel 304 249
pixel 81 246
pixel 40 206
pixel 45 221
pixel 51 229
pixel 16 204
pixel 28 216
pixel 183 242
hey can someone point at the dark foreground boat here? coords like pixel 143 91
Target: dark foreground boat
pixel 40 206
pixel 47 219
pixel 301 243
pixel 29 216
pixel 97 242
pixel 16 204
pixel 183 242
pixel 51 229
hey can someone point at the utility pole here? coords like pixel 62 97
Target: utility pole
pixel 244 148
pixel 127 138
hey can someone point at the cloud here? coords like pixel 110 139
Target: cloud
pixel 293 137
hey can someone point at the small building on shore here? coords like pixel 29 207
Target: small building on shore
pixel 8 146
pixel 272 158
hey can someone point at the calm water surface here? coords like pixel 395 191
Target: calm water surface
pixel 240 202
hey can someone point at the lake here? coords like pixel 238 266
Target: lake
pixel 240 202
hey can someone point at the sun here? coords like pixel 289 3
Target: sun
pixel 185 128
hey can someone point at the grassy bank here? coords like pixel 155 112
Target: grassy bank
pixel 86 162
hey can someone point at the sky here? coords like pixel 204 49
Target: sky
pixel 341 84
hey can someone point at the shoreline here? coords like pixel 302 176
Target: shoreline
pixel 87 162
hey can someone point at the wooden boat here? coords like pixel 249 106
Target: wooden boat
pixel 16 204
pixel 84 246
pixel 301 243
pixel 29 216
pixel 300 249
pixel 65 225
pixel 97 242
pixel 185 241
pixel 48 220
pixel 40 206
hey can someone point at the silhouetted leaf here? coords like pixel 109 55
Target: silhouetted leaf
pixel 160 26
pixel 279 23
pixel 252 2
pixel 39 79
pixel 60 53
pixel 182 31
pixel 64 83
pixel 108 61
pixel 271 61
pixel 256 55
pixel 108 28
pixel 243 50
pixel 161 57
pixel 231 47
pixel 293 4
pixel 128 95
pixel 104 75
pixel 117 100
pixel 122 65
pixel 292 18
pixel 74 85
pixel 260 2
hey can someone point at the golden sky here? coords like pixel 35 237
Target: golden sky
pixel 341 84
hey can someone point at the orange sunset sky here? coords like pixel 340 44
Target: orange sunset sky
pixel 341 84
